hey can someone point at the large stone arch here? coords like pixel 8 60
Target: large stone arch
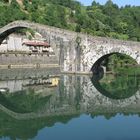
pixel 55 36
pixel 45 31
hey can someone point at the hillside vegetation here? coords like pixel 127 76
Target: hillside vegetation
pixel 99 20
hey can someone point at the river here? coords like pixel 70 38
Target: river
pixel 42 104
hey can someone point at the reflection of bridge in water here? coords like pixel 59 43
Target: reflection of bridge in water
pixel 73 95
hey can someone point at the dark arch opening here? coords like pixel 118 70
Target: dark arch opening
pixel 97 67
pixel 6 33
pixel 126 88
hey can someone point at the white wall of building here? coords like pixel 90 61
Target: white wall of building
pixel 13 44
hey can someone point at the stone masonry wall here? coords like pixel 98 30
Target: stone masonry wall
pixel 25 59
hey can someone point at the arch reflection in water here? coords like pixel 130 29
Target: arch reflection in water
pixel 116 86
pixel 39 93
pixel 30 109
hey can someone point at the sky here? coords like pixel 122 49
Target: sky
pixel 118 2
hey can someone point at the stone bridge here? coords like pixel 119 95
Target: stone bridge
pixel 77 52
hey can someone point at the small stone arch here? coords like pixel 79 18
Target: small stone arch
pixel 100 58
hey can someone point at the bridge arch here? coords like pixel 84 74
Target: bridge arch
pixel 54 36
pixel 15 26
pixel 6 33
pixel 95 61
pixel 99 62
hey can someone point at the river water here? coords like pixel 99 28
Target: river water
pixel 42 104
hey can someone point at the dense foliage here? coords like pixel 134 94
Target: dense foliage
pixel 100 20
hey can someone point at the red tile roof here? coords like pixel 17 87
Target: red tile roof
pixel 36 43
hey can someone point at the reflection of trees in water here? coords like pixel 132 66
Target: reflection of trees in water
pixel 28 101
pixel 22 102
pixel 27 129
pixel 117 86
pixel 75 95
pixel 106 115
